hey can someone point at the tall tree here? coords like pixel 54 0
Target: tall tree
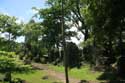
pixel 51 21
pixel 107 24
pixel 9 26
pixel 33 36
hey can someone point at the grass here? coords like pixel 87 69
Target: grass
pixel 84 73
pixel 56 68
pixel 34 77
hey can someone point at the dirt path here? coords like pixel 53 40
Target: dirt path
pixel 57 75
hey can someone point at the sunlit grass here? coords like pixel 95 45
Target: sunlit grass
pixel 34 77
pixel 84 73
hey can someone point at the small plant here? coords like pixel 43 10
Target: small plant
pixel 9 63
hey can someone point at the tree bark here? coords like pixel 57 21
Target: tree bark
pixel 121 61
pixel 64 44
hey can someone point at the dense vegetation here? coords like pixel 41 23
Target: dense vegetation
pixel 49 40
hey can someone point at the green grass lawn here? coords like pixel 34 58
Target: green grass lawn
pixel 35 77
pixel 84 73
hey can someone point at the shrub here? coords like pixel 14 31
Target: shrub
pixel 9 63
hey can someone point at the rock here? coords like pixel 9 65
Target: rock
pixel 45 77
pixel 83 81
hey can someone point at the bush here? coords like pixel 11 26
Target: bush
pixel 9 63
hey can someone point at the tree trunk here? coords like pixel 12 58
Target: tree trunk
pixel 8 76
pixel 64 43
pixel 121 62
pixel 66 64
pixel 9 43
pixel 86 34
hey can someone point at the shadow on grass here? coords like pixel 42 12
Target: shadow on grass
pixel 25 72
pixel 56 82
pixel 110 77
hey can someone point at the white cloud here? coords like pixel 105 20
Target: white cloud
pixel 73 29
pixel 20 20
pixel 31 12
pixel 3 11
pixel 20 39
pixel 79 39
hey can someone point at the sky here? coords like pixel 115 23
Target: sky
pixel 22 9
